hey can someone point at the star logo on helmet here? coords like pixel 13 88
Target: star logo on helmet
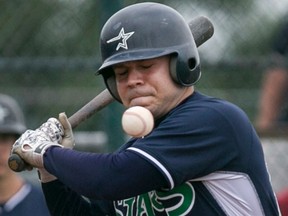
pixel 3 113
pixel 124 36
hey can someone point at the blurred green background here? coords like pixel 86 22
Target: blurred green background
pixel 49 53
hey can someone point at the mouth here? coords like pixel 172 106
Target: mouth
pixel 139 100
pixel 135 95
pixel 136 100
pixel 139 97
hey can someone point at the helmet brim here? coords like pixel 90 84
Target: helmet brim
pixel 134 55
pixel 12 129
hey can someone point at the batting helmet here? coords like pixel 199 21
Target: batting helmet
pixel 11 116
pixel 144 31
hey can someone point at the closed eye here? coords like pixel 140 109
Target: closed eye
pixel 145 66
pixel 120 73
pixel 119 70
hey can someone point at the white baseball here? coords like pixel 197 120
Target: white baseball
pixel 137 121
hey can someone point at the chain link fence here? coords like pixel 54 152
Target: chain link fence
pixel 49 54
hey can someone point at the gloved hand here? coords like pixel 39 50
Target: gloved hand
pixel 53 130
pixel 32 145
pixel 59 130
pixel 68 140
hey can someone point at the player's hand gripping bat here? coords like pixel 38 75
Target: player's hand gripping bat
pixel 202 30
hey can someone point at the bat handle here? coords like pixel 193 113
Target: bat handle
pixel 16 163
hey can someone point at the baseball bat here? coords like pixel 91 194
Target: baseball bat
pixel 202 30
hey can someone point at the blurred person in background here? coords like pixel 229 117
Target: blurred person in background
pixel 17 196
pixel 273 106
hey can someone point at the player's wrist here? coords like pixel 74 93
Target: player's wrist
pixel 36 158
pixel 44 176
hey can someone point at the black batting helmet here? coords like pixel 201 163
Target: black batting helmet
pixel 11 116
pixel 144 31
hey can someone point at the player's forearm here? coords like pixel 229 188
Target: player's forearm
pixel 103 176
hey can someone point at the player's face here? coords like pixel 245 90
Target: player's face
pixel 6 142
pixel 148 83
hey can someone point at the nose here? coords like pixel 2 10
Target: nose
pixel 135 78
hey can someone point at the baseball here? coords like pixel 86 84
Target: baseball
pixel 137 121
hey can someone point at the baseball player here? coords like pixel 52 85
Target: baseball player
pixel 203 156
pixel 17 196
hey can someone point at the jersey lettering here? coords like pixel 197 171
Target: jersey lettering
pixel 176 202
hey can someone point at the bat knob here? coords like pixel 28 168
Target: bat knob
pixel 16 163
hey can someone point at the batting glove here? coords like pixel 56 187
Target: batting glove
pixel 32 145
pixel 53 130
pixel 59 130
pixel 68 140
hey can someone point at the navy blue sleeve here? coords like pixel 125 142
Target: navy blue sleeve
pixel 103 176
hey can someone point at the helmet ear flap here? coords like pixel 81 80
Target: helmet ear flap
pixel 173 68
pixel 184 73
pixel 194 69
pixel 110 82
